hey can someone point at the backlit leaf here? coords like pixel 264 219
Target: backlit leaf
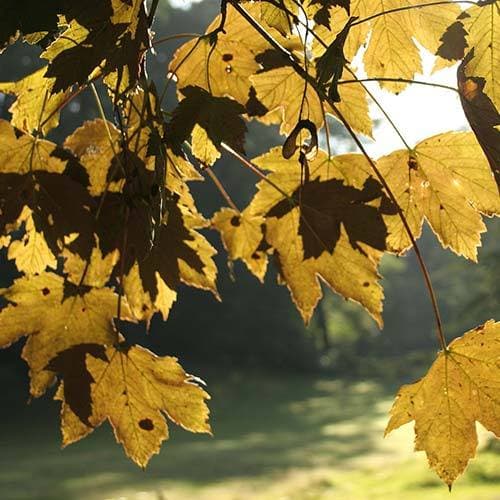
pixel 111 36
pixel 36 107
pixel 242 236
pixel 76 317
pixel 32 178
pixel 136 392
pixel 482 23
pixel 330 228
pixel 461 388
pixel 447 180
pixel 209 121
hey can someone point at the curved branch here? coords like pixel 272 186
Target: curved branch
pixel 306 76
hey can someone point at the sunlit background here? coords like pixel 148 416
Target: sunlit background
pixel 298 413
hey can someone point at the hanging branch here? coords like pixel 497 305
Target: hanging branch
pixel 306 76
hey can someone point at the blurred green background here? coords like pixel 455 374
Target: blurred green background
pixel 298 412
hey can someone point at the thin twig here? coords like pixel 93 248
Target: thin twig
pixel 399 80
pixel 256 170
pixel 381 108
pixel 176 36
pixel 152 12
pixel 221 188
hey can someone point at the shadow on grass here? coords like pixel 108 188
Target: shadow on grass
pixel 262 426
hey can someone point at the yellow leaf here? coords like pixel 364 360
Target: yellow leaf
pixel 353 105
pixel 482 23
pixel 56 317
pixel 36 107
pixel 391 52
pixel 282 89
pixel 209 121
pixel 136 392
pixel 91 144
pixel 338 19
pixel 23 154
pixel 103 41
pixel 32 178
pixel 279 16
pixel 428 23
pixel 163 248
pixel 94 272
pixel 242 235
pixel 222 69
pixel 447 180
pixel 31 254
pixel 326 229
pixel 461 387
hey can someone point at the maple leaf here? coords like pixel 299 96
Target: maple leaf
pixel 162 247
pixel 284 93
pixel 242 236
pixel 91 144
pixel 391 51
pixel 447 180
pixel 461 387
pixel 224 68
pixel 482 23
pixel 337 20
pixel 135 391
pixel 31 253
pixel 76 316
pixel 330 228
pixel 34 186
pixel 209 121
pixel 36 107
pixel 111 36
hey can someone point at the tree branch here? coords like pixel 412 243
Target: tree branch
pixel 321 93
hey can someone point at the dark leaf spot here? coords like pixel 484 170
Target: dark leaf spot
pixel 227 57
pixel 146 424
pixel 45 291
pixel 235 221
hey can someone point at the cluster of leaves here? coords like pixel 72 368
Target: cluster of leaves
pixel 104 228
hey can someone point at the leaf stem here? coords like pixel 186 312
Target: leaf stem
pixel 303 74
pixel 221 188
pixel 174 37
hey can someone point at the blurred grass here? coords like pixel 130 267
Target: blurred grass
pixel 283 437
